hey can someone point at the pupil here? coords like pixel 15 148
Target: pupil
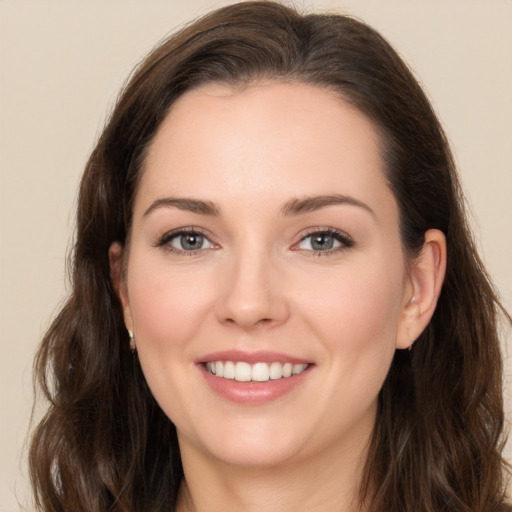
pixel 322 242
pixel 191 242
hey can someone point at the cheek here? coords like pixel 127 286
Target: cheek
pixel 168 308
pixel 356 321
pixel 356 317
pixel 363 302
pixel 169 311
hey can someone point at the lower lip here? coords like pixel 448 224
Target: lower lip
pixel 253 393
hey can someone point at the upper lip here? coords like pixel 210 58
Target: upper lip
pixel 260 356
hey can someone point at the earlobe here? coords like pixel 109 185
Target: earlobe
pixel 426 277
pixel 115 255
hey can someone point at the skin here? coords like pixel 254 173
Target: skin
pixel 257 283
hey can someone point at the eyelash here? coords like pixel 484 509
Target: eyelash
pixel 165 239
pixel 345 240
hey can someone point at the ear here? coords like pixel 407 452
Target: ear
pixel 115 256
pixel 426 276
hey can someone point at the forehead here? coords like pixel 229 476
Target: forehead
pixel 265 138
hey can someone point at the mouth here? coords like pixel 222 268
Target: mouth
pixel 242 371
pixel 254 378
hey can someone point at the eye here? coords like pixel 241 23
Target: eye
pixel 188 241
pixel 322 241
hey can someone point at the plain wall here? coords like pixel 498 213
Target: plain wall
pixel 61 65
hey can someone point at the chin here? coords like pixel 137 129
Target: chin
pixel 260 455
pixel 245 445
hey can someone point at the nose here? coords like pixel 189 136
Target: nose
pixel 252 293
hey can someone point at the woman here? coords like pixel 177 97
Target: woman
pixel 276 299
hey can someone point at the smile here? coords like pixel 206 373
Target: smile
pixel 259 372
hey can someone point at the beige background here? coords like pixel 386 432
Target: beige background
pixel 62 63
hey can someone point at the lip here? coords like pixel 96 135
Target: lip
pixel 252 393
pixel 250 357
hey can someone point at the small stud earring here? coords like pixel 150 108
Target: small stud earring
pixel 133 347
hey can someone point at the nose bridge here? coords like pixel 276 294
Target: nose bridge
pixel 253 292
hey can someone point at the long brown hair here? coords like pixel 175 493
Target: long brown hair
pixel 105 445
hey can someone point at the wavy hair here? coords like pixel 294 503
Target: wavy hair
pixel 105 445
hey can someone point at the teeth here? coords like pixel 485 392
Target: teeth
pixel 299 368
pixel 276 371
pixel 229 370
pixel 259 372
pixel 242 372
pixel 287 370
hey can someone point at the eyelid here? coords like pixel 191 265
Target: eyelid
pixel 163 240
pixel 344 238
pixel 346 241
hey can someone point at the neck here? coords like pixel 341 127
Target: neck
pixel 330 482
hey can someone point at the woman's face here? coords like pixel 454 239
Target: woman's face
pixel 265 241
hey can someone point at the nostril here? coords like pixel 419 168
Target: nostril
pixel 261 321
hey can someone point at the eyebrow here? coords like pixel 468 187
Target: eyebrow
pixel 311 204
pixel 186 204
pixel 292 207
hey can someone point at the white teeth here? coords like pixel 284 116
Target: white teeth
pixel 242 372
pixel 229 370
pixel 299 368
pixel 276 371
pixel 259 372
